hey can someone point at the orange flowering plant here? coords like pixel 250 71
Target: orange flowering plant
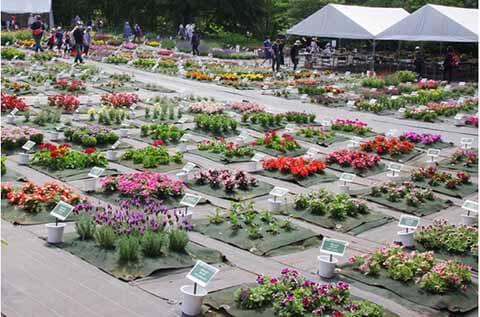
pixel 298 166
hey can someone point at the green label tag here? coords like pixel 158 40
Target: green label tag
pixel 347 177
pixel 62 210
pixel 279 191
pixel 410 222
pixel 333 246
pixel 202 273
pixel 96 172
pixel 28 145
pixel 470 206
pixel 190 200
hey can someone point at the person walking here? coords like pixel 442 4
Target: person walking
pixel 59 39
pixel 267 50
pixel 51 40
pixel 449 63
pixel 195 43
pixel 281 46
pixel 138 34
pixel 78 32
pixel 294 52
pixel 87 39
pixel 37 33
pixel 68 44
pixel 276 56
pixel 127 32
pixel 181 32
pixel 419 61
pixel 189 32
pixel 100 26
pixel 30 20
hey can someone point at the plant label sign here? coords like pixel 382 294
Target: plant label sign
pixel 28 145
pixel 182 120
pixel 133 107
pixel 258 157
pixel 462 83
pixel 394 97
pixel 326 123
pixel 116 144
pixel 402 110
pixel 372 102
pixel 333 246
pixel 433 152
pixel 96 172
pixel 62 210
pixel 459 116
pixel 470 205
pixel 466 142
pixel 290 127
pixel 461 100
pixel 185 138
pixel 395 167
pixel 202 273
pixel 347 177
pixel 351 103
pixel 409 222
pixel 391 132
pixel 190 200
pixel 14 111
pixel 279 192
pixel 390 88
pixel 188 167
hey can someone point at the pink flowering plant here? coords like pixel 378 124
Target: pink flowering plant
pixel 291 295
pixel 143 185
pixel 433 275
pixel 422 138
pixel 464 157
pixel 231 180
pixel 207 107
pixel 351 126
pixel 356 159
pixel 15 137
pixel 247 107
pixel 119 100
pixel 472 121
pixel 406 191
pixel 433 177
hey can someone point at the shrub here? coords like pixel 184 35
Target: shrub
pixel 168 44
pixel 128 249
pixel 85 227
pixel 178 240
pixel 152 243
pixel 105 237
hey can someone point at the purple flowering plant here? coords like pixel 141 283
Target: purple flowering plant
pixel 422 138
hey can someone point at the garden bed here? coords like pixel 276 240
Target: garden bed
pixel 311 180
pixel 219 157
pixel 322 142
pixel 366 172
pixel 238 195
pixel 296 152
pixel 16 216
pixel 70 175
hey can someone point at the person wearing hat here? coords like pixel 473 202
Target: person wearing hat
pixel 294 51
pixel 419 61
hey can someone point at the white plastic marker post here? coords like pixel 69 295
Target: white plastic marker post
pixel 355 141
pixel 290 127
pixel 326 124
pixel 189 200
pixel 433 153
pixel 14 111
pixel 182 146
pixel 391 132
pixel 277 192
pixel 331 247
pixel 346 179
pixel 188 167
pixel 394 168
pixel 459 118
pixel 470 206
pixel 372 101
pixel 61 211
pixel 183 175
pixel 201 274
pixel 408 222
pixel 466 143
pixel 256 159
pixel 28 145
pixel 116 145
pixel 350 103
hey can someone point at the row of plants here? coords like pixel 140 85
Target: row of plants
pixel 10 102
pixel 433 177
pixel 68 103
pixel 217 124
pixel 152 156
pixel 119 100
pixel 61 157
pixel 229 180
pixel 298 167
pixel 282 143
pixel 13 138
pixel 433 110
pixel 168 133
pixel 70 85
pixel 228 149
pixel 90 136
pixel 355 159
pixel 393 147
pixel 351 126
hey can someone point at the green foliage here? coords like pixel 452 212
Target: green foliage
pixel 152 156
pixel 216 218
pixel 152 243
pixel 85 227
pixel 128 248
pixel 177 240
pixel 168 44
pixel 10 52
pixel 4 167
pixel 105 237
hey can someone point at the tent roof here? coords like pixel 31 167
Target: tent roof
pixel 349 22
pixel 436 23
pixel 26 6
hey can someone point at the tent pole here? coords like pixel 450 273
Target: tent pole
pixel 373 56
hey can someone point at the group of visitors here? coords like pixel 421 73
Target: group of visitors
pixel 11 23
pixel 128 32
pixel 274 52
pixel 186 33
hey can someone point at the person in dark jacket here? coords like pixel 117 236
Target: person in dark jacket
pixel 195 43
pixel 419 61
pixel 37 33
pixel 282 46
pixel 78 38
pixel 276 53
pixel 59 39
pixel 448 64
pixel 294 50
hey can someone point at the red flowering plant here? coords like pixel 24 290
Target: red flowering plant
pixel 120 100
pixel 60 157
pixel 33 198
pixel 69 103
pixel 283 143
pixel 298 167
pixel 434 177
pixel 429 84
pixel 387 146
pixel 465 157
pixel 353 158
pixel 351 126
pixel 71 85
pixel 473 121
pixel 10 102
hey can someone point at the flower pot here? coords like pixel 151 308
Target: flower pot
pixel 91 184
pixel 183 177
pixel 326 269
pixel 10 119
pixel 274 204
pixel 344 188
pixel 406 238
pixel 112 155
pixel 55 136
pixel 55 232
pixel 182 147
pixel 192 303
pixel 123 132
pixel 24 158
pixel 469 220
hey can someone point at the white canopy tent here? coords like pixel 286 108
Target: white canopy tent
pixel 435 23
pixel 348 22
pixel 28 6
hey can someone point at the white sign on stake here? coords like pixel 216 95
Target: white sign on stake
pixel 409 222
pixel 14 112
pixel 188 167
pixel 395 167
pixel 466 142
pixel 116 144
pixel 62 210
pixel 96 172
pixel 279 192
pixel 185 138
pixel 202 273
pixel 459 116
pixel 433 153
pixel 182 119
pixel 351 103
pixel 333 246
pixel 290 127
pixel 391 132
pixel 470 205
pixel 258 157
pixel 347 177
pixel 402 110
pixel 372 102
pixel 394 97
pixel 326 123
pixel 190 200
pixel 28 145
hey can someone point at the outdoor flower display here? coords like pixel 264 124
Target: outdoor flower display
pixel 426 139
pixel 462 159
pixel 109 115
pixel 229 150
pixel 290 294
pixel 32 198
pixel 16 87
pixel 355 159
pixel 143 185
pixel 247 107
pixel 168 133
pixel 351 126
pixel 119 100
pixel 10 102
pixel 231 180
pixel 310 90
pixel 264 120
pixel 152 156
pixel 472 121
pixel 207 107
pixel 116 59
pixel 433 110
pixel 71 85
pixel 429 84
pixel 298 167
pixel 284 143
pixel 90 136
pixel 216 124
pixel 389 147
pixel 13 138
pixel 319 136
pixel 68 103
pixel 61 157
